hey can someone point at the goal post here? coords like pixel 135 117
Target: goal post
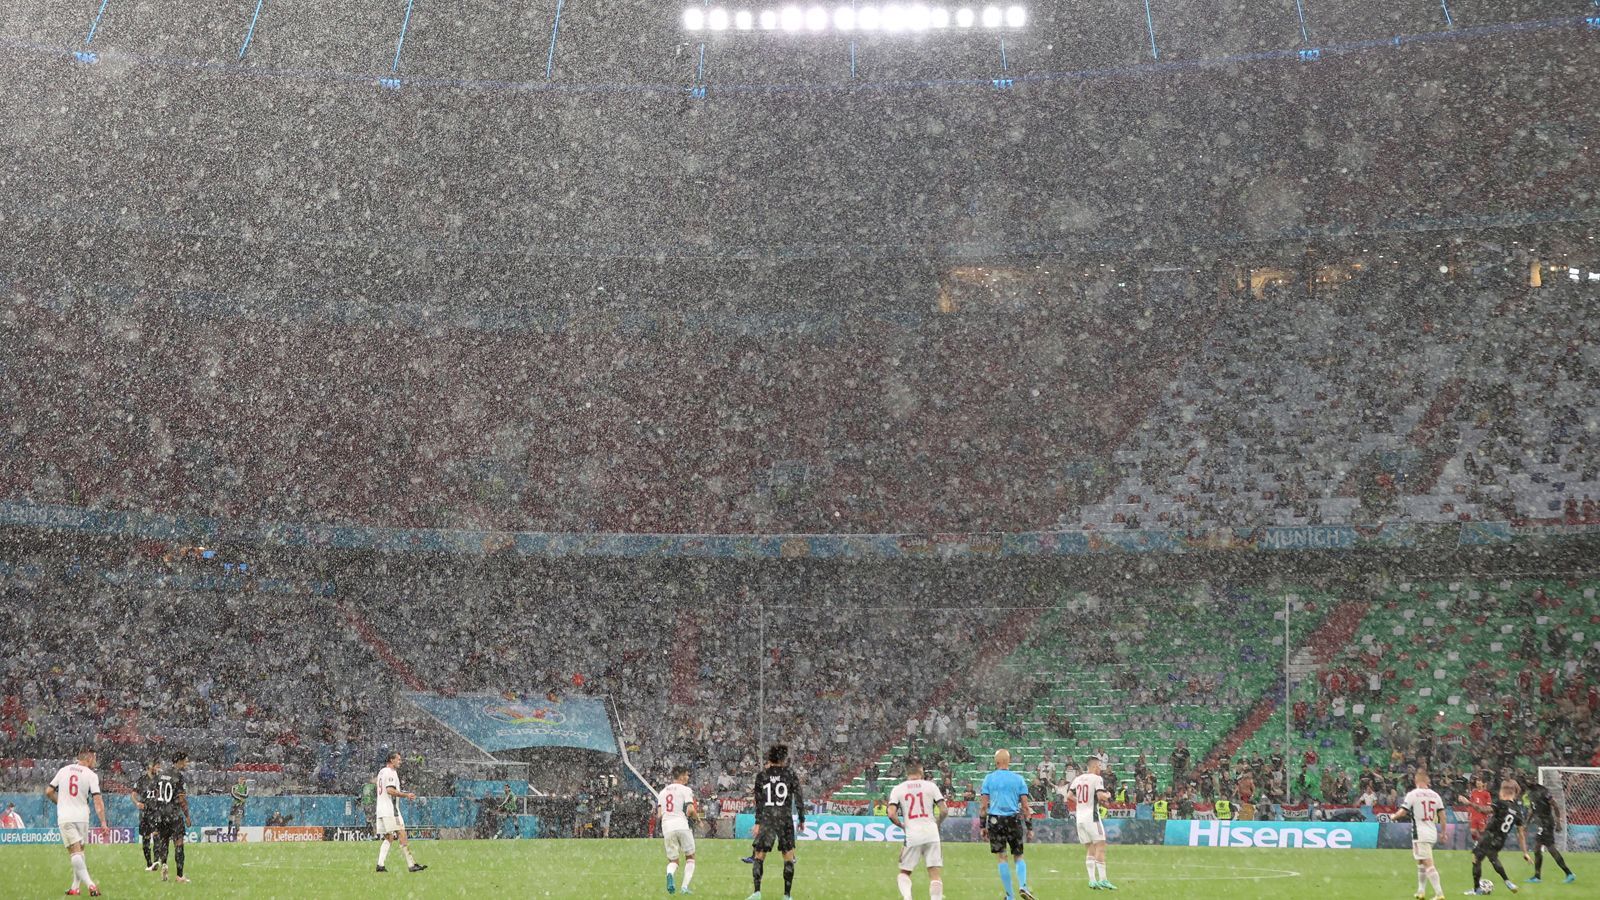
pixel 1576 791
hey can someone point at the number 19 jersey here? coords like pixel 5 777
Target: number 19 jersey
pixel 777 794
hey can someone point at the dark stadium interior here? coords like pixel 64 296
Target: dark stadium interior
pixel 1215 393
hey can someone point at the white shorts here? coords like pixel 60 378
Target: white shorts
pixel 930 854
pixel 679 841
pixel 389 824
pixel 74 833
pixel 1422 850
pixel 1091 831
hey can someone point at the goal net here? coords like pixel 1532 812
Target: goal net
pixel 1577 795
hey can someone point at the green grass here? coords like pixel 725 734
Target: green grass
pixel 635 869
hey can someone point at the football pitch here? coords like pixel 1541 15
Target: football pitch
pixel 636 869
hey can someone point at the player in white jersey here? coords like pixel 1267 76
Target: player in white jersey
pixel 70 791
pixel 390 826
pixel 1089 790
pixel 677 807
pixel 918 806
pixel 1425 809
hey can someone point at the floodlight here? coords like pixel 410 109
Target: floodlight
pixel 769 20
pixel 1016 16
pixel 694 19
pixel 939 17
pixel 894 18
pixel 717 19
pixel 792 19
pixel 991 17
pixel 917 18
pixel 816 18
pixel 964 18
pixel 742 20
pixel 844 18
pixel 868 19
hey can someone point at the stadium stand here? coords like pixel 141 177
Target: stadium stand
pixel 1430 400
pixel 1457 674
pixel 1126 678
pixel 736 425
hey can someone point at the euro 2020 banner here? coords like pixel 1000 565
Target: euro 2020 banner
pixel 492 723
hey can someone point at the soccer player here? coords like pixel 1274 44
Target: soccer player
pixel 1424 807
pixel 1003 815
pixel 677 807
pixel 390 824
pixel 239 794
pixel 1503 815
pixel 1089 789
pixel 170 805
pixel 143 799
pixel 1478 798
pixel 70 791
pixel 778 803
pixel 917 806
pixel 1543 811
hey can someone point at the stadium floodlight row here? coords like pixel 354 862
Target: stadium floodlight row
pixel 891 18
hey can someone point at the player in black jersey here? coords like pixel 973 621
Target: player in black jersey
pixel 171 805
pixel 1504 815
pixel 777 802
pixel 144 799
pixel 1543 811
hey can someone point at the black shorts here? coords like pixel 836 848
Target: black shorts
pixel 1488 849
pixel 1005 833
pixel 776 833
pixel 169 828
pixel 1546 836
pixel 147 823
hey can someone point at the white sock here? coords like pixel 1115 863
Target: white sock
pixel 383 851
pixel 1089 864
pixel 1433 879
pixel 1100 867
pixel 935 890
pixel 1422 880
pixel 905 885
pixel 406 849
pixel 672 867
pixel 80 870
pixel 688 873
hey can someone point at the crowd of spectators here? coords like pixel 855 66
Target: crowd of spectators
pixel 1386 398
pixel 982 421
pixel 146 652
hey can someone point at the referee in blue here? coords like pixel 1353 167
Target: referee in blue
pixel 1004 818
